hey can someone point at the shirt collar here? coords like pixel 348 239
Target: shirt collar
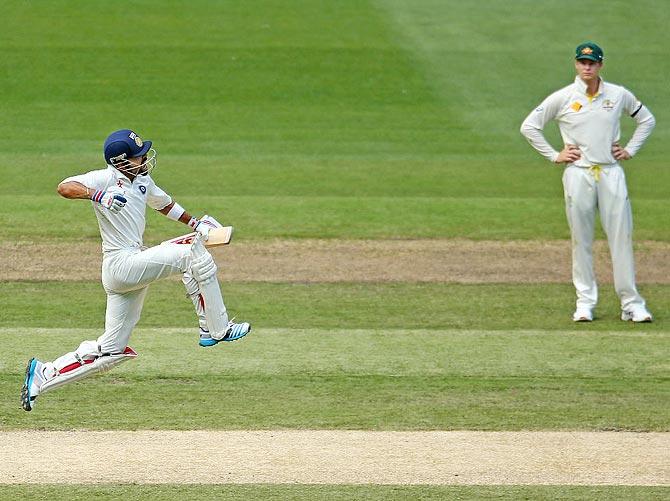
pixel 581 86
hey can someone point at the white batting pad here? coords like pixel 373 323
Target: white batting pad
pixel 203 269
pixel 87 366
pixel 193 292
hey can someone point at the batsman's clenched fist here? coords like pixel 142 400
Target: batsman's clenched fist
pixel 112 201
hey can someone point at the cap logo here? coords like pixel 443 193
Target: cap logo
pixel 136 138
pixel 587 50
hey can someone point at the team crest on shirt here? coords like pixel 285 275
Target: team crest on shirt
pixel 576 106
pixel 143 189
pixel 608 105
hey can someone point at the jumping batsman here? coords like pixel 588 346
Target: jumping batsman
pixel 588 113
pixel 119 195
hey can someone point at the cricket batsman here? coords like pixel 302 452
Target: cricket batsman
pixel 119 195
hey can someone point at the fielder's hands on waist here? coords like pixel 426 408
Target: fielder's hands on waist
pixel 570 153
pixel 619 152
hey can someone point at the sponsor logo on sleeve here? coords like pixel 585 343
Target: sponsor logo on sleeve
pixel 143 189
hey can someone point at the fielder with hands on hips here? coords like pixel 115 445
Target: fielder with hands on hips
pixel 119 195
pixel 588 113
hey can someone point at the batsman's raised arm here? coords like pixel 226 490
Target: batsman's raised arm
pixel 75 190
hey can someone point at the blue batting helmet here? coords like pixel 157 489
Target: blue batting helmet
pixel 124 144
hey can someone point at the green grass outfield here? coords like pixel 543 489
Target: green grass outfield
pixel 322 119
pixel 333 492
pixel 341 306
pixel 491 357
pixel 360 119
pixel 368 379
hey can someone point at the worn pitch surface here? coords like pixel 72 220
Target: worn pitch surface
pixel 314 260
pixel 336 457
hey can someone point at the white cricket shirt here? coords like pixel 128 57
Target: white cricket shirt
pixel 591 123
pixel 125 228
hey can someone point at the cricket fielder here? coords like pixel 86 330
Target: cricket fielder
pixel 119 195
pixel 588 113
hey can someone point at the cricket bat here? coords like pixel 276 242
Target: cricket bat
pixel 218 235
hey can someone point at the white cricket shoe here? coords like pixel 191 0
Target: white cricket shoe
pixel 582 315
pixel 637 315
pixel 31 384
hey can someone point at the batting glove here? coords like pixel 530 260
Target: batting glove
pixel 111 201
pixel 201 227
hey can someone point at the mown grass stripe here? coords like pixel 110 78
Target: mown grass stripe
pixel 363 379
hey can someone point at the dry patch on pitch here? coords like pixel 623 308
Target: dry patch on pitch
pixel 461 261
pixel 335 457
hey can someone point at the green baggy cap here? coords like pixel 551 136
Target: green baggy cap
pixel 589 50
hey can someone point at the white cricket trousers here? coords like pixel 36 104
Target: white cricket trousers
pixel 587 190
pixel 126 275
